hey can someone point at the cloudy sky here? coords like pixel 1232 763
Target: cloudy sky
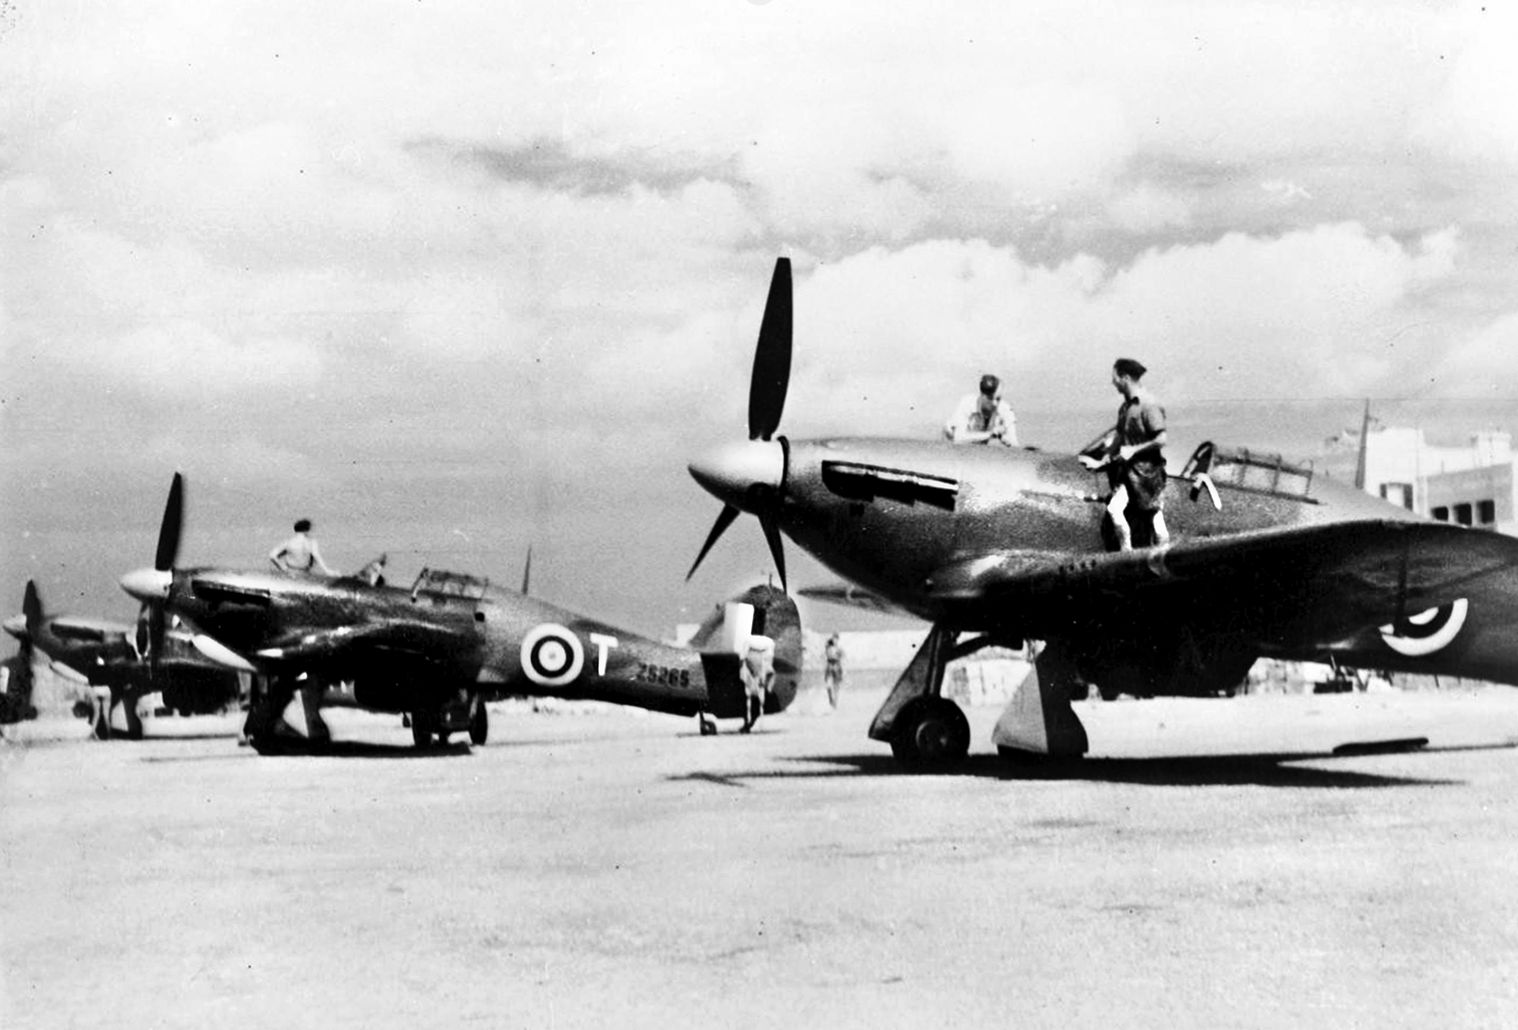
pixel 455 279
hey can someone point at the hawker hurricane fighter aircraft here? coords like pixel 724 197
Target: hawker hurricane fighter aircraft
pixel 1002 546
pixel 110 663
pixel 438 650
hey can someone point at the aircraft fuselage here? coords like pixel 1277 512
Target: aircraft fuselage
pixel 887 513
pixel 404 647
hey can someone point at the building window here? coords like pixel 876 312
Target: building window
pixel 1398 493
pixel 1486 512
pixel 1463 513
pixel 1441 513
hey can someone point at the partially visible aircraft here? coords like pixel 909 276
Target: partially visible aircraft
pixel 107 660
pixel 440 649
pixel 1003 546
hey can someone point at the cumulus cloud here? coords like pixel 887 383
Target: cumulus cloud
pixel 1480 366
pixel 1304 314
pixel 180 356
pixel 449 222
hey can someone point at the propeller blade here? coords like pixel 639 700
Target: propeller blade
pixel 31 608
pixel 168 531
pixel 777 550
pixel 725 518
pixel 772 358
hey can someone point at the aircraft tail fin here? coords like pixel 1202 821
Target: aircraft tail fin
pixel 759 611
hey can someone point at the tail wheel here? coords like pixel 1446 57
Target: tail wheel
pixel 931 733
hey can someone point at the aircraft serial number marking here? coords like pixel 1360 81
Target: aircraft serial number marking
pixel 648 673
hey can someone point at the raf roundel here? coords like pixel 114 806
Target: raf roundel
pixel 552 655
pixel 1427 632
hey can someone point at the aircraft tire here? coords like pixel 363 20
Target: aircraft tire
pixel 267 743
pixel 931 733
pixel 479 724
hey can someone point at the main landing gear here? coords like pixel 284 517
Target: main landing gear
pixel 929 731
pixel 268 728
pixel 462 714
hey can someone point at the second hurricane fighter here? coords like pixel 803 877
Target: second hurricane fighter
pixel 438 650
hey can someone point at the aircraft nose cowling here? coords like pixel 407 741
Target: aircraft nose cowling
pixel 148 584
pixel 731 471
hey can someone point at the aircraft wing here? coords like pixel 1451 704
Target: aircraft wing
pixel 418 639
pixel 850 596
pixel 82 628
pixel 1345 588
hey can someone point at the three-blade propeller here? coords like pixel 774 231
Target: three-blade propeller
pixel 750 477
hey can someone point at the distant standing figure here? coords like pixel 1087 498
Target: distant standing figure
pixel 983 417
pixel 1135 460
pixel 300 553
pixel 832 675
pixel 758 673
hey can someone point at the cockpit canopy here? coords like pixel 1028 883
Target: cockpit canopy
pixel 1260 471
pixel 438 583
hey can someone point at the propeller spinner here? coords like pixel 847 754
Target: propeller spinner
pixel 750 477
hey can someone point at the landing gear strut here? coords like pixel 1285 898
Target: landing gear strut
pixel 927 730
pixel 422 723
pixel 924 728
pixel 129 700
pixel 266 705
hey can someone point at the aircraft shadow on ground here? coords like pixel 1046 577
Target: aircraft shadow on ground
pixel 1260 770
pixel 336 749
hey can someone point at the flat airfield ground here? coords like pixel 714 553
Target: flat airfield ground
pixel 615 869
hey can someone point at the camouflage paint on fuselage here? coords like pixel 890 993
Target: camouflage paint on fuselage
pixel 1003 500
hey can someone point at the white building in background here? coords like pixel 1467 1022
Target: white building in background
pixel 1472 485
